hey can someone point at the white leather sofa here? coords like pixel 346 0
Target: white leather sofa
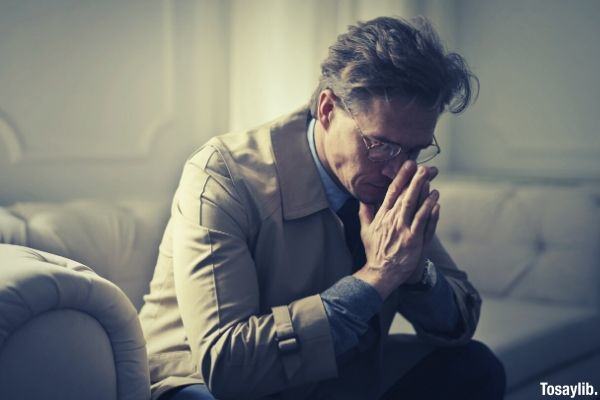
pixel 532 249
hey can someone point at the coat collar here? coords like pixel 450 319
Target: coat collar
pixel 301 189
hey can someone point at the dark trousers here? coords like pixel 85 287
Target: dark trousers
pixel 464 372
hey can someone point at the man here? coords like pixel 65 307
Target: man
pixel 291 247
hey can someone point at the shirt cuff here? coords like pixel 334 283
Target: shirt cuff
pixel 434 310
pixel 349 304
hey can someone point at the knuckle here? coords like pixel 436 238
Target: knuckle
pixel 411 240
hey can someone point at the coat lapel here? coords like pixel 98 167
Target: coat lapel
pixel 301 189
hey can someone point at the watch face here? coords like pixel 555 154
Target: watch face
pixel 427 280
pixel 425 277
pixel 431 273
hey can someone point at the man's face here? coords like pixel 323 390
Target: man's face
pixel 404 123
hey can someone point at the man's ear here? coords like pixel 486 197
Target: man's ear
pixel 325 107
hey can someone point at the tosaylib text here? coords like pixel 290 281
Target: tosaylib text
pixel 580 389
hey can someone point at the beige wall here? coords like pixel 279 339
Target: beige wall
pixel 107 98
pixel 538 113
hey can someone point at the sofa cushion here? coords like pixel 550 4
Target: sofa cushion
pixel 529 337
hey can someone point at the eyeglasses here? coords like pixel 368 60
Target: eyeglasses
pixel 381 151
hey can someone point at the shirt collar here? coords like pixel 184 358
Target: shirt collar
pixel 335 195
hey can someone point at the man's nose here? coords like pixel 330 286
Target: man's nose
pixel 391 167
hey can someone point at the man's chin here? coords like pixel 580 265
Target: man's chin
pixel 373 195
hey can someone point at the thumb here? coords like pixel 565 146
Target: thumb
pixel 366 213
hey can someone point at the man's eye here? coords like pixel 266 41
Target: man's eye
pixel 376 143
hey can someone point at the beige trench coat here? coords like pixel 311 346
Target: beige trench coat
pixel 234 302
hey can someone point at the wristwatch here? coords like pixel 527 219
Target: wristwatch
pixel 428 278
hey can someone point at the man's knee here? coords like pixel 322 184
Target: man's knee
pixel 189 392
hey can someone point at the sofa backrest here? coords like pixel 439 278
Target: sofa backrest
pixel 539 242
pixel 118 240
pixel 529 241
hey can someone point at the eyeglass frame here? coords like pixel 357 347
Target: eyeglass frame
pixel 369 145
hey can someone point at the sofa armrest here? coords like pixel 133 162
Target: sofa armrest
pixel 65 332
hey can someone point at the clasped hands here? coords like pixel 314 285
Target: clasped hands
pixel 395 234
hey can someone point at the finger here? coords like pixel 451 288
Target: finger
pixel 433 172
pixel 424 193
pixel 398 184
pixel 409 203
pixel 432 223
pixel 423 214
pixel 366 213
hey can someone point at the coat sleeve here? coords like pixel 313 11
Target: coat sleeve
pixel 468 300
pixel 238 352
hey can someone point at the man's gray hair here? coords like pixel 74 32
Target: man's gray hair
pixel 394 57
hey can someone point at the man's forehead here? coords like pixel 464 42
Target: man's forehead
pixel 400 121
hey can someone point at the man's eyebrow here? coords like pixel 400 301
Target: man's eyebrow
pixel 383 140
